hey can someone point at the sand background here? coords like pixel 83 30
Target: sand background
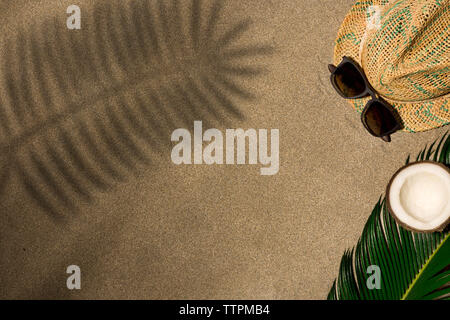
pixel 194 232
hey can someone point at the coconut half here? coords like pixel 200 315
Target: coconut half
pixel 418 196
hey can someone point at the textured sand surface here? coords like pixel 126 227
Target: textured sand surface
pixel 186 232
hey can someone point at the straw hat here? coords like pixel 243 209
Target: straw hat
pixel 403 47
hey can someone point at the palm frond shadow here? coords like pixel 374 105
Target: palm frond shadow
pixel 412 265
pixel 81 110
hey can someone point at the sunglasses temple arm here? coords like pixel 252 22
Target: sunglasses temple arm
pixel 386 138
pixel 332 68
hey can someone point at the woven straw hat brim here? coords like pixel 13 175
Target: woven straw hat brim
pixel 418 115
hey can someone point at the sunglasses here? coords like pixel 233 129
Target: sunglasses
pixel 378 116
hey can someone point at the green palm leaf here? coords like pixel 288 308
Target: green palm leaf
pixel 412 265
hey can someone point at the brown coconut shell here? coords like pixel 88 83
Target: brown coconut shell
pixel 440 228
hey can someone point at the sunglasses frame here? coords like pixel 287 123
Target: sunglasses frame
pixel 368 91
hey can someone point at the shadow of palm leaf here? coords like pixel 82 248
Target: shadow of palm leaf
pixel 82 110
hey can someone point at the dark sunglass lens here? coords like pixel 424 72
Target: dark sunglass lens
pixel 379 119
pixel 349 80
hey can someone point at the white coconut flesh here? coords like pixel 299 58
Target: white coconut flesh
pixel 419 196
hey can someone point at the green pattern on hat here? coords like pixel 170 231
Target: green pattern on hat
pixel 403 47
